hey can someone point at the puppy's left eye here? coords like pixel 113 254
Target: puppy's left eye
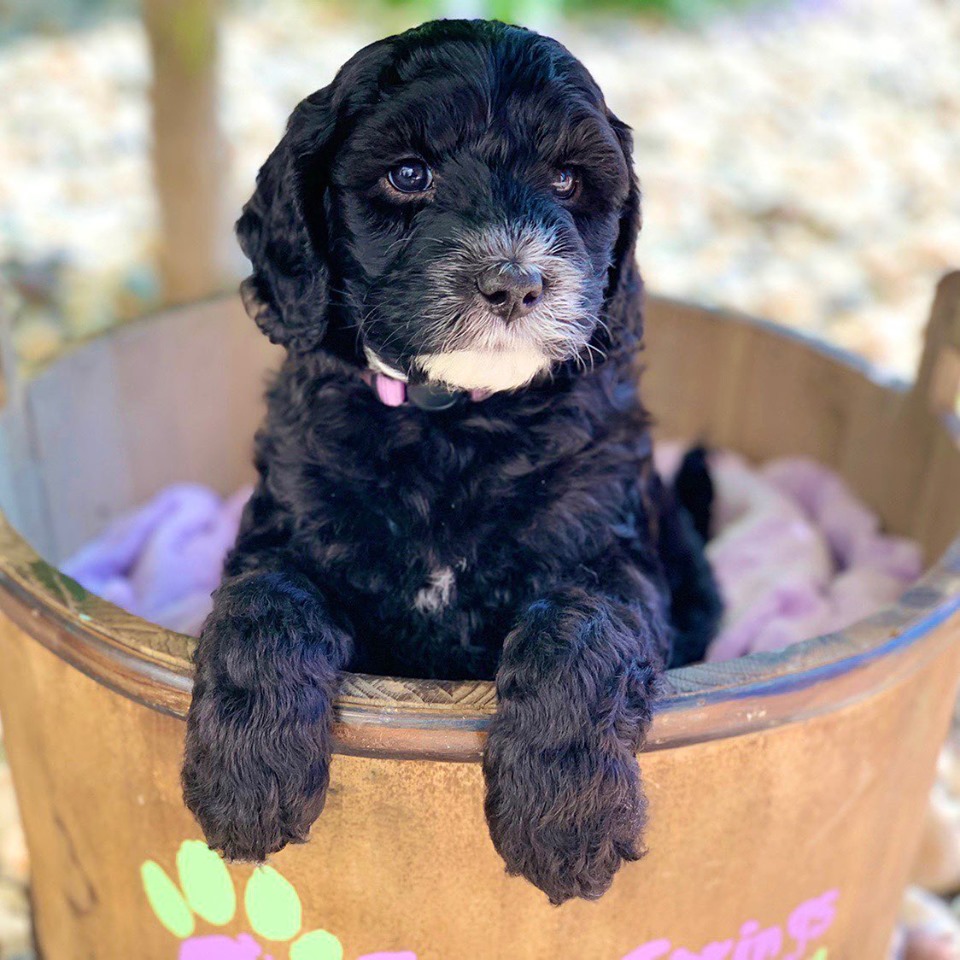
pixel 565 183
pixel 410 176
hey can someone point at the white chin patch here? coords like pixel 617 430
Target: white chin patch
pixel 484 369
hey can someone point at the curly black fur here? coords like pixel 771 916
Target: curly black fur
pixel 524 536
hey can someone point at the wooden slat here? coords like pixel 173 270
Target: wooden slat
pixel 158 402
pixel 76 420
pixel 734 382
pixel 195 388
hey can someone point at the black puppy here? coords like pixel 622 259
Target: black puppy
pixel 455 476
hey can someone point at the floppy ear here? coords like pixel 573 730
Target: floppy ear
pixel 623 306
pixel 287 293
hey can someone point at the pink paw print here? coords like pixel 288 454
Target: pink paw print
pixel 271 905
pixel 217 947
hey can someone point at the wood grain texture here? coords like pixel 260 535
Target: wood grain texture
pixel 742 829
pixel 938 379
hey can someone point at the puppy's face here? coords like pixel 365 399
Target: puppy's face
pixel 467 194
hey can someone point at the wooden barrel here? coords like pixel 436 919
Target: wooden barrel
pixel 786 790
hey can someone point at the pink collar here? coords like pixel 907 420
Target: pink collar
pixel 395 393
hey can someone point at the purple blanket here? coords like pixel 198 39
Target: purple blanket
pixel 796 554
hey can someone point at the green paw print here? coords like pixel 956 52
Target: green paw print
pixel 271 905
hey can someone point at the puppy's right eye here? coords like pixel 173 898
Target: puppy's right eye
pixel 410 176
pixel 565 183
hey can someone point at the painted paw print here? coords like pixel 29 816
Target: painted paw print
pixel 206 892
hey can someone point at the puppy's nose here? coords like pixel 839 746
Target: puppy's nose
pixel 511 290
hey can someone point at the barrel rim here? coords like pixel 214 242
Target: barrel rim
pixel 389 716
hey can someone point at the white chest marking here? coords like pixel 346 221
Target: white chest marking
pixel 485 369
pixel 436 594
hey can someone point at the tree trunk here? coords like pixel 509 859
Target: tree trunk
pixel 188 149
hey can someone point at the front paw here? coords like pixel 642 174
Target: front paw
pixel 247 805
pixel 563 817
pixel 257 759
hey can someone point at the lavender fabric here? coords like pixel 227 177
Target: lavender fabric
pixel 163 560
pixel 795 552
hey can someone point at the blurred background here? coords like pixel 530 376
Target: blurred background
pixel 800 159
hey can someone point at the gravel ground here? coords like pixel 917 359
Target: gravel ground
pixel 800 163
